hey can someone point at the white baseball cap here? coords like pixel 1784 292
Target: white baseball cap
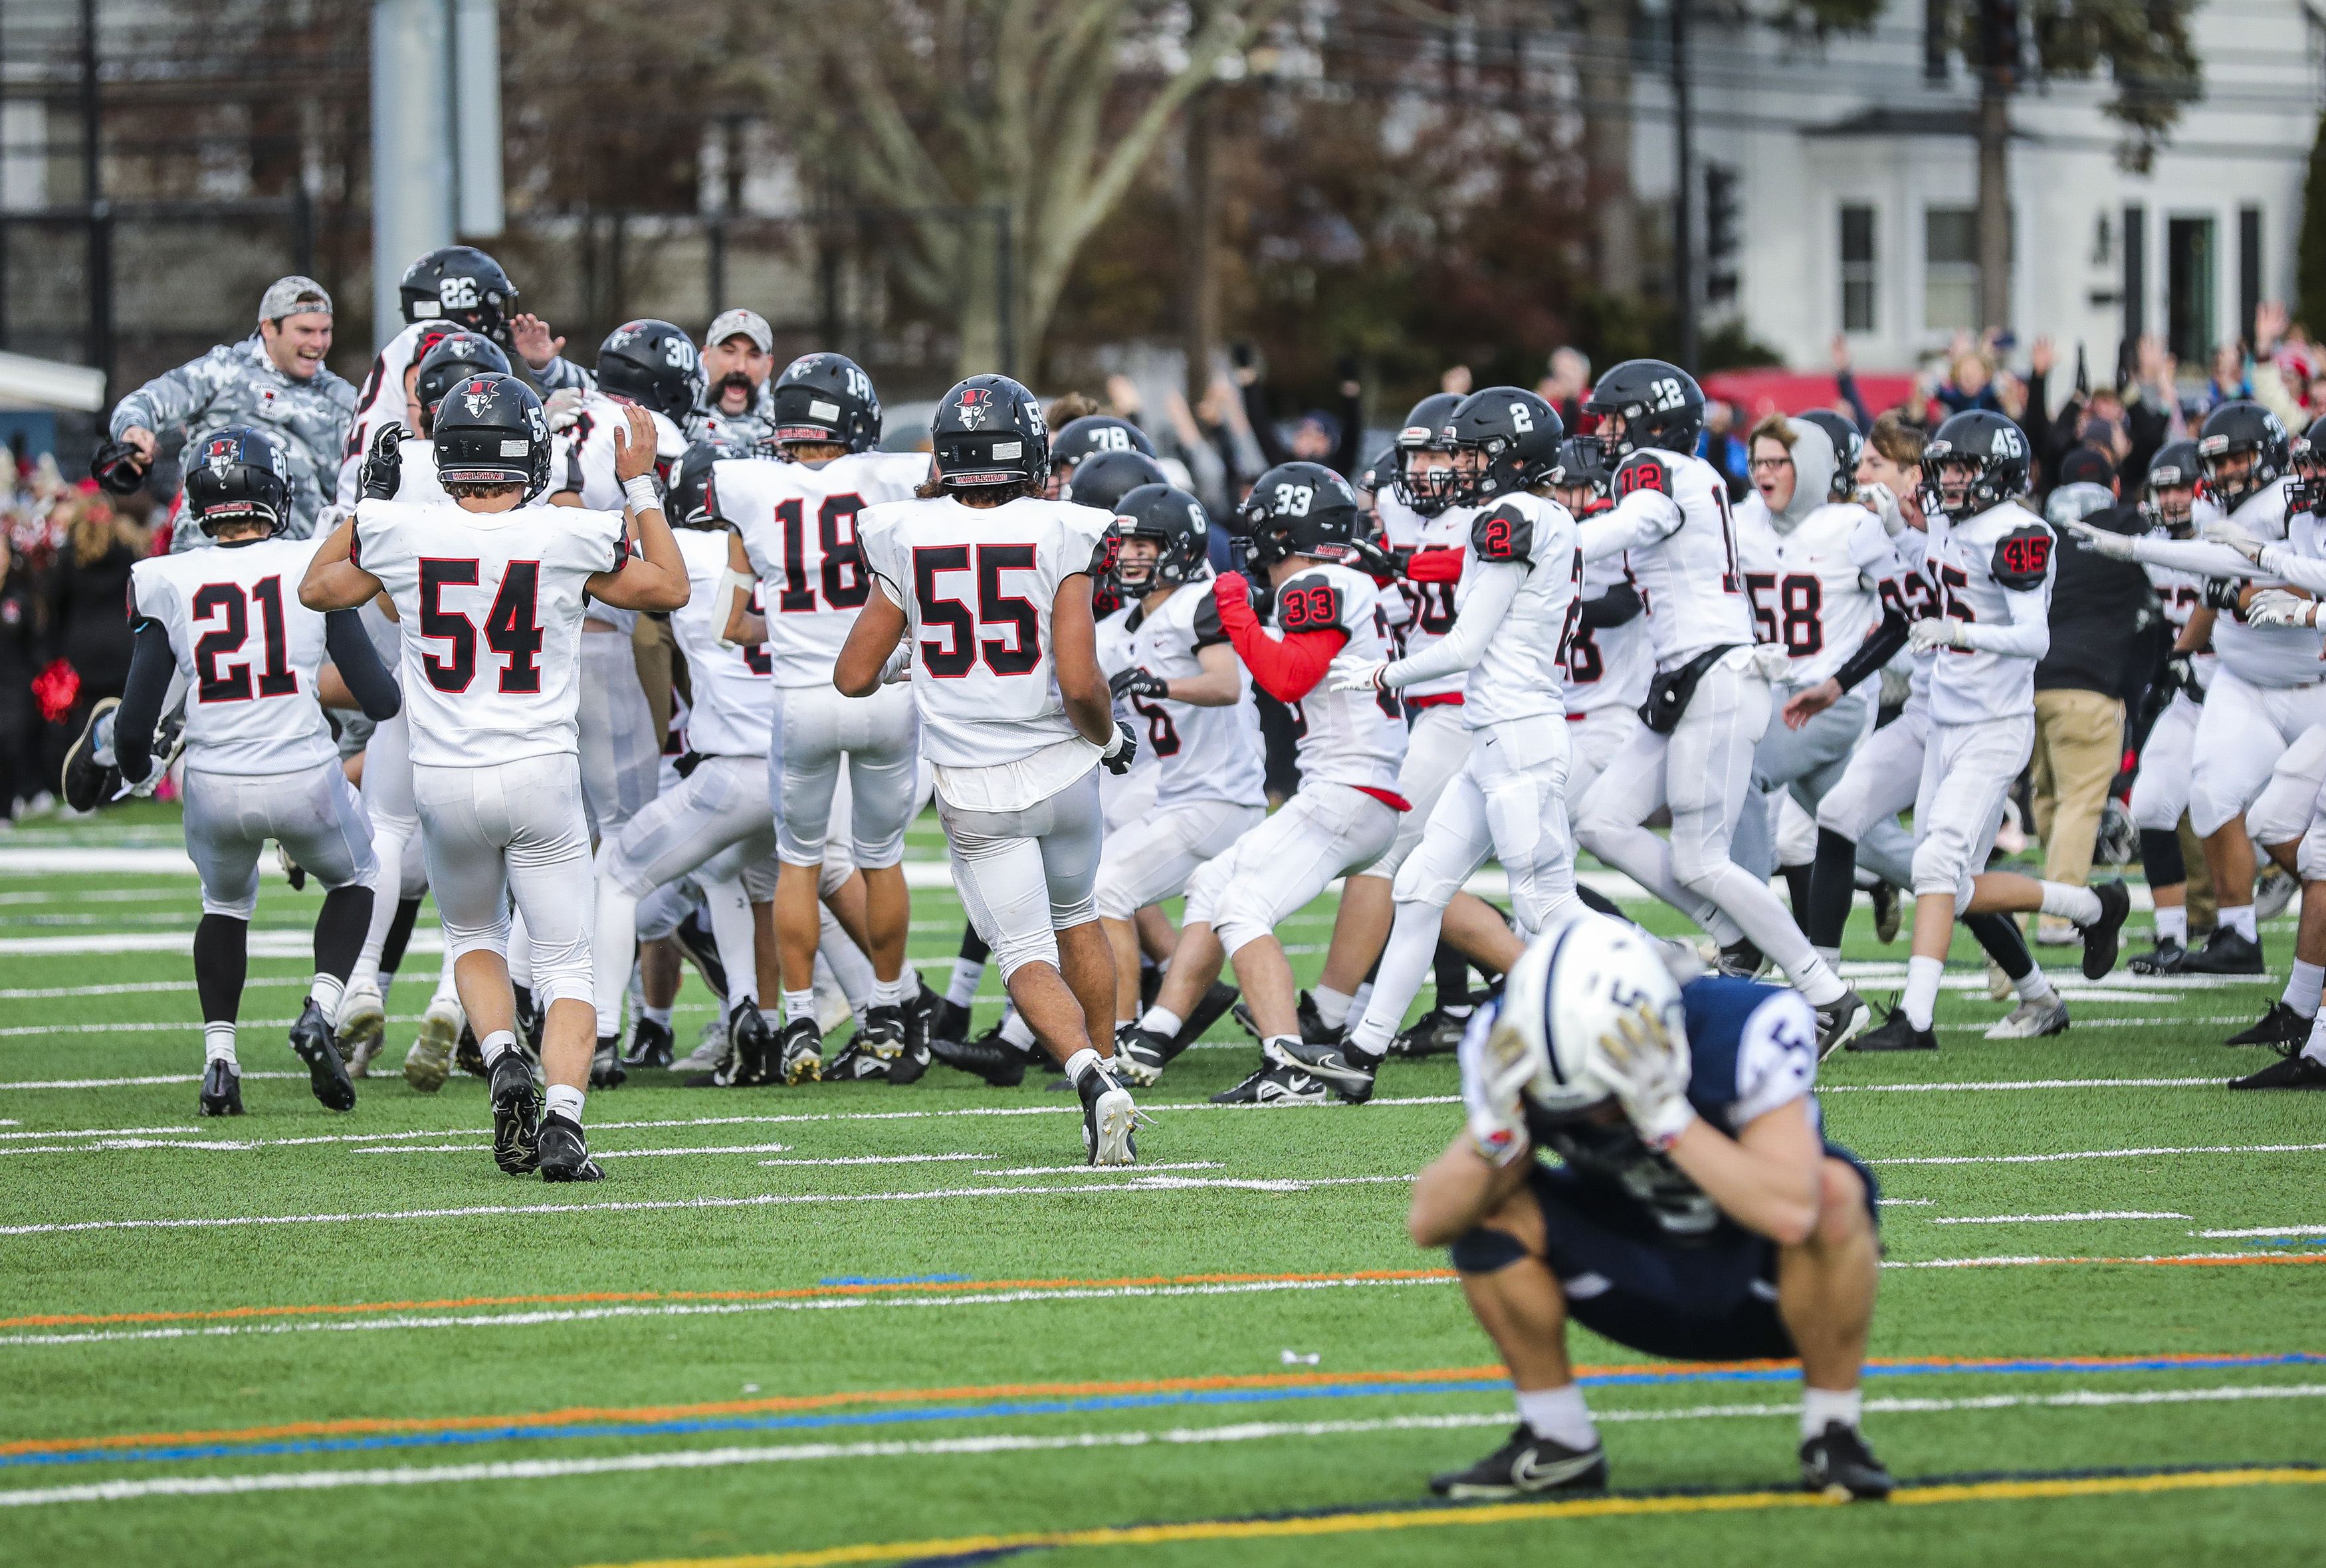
pixel 293 296
pixel 747 323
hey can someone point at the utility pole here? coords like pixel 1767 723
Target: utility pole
pixel 1998 73
pixel 100 215
pixel 413 170
pixel 1684 289
pixel 1199 306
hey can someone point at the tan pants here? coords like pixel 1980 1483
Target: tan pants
pixel 2078 749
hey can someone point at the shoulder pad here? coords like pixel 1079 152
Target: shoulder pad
pixel 1504 534
pixel 2022 557
pixel 1644 469
pixel 1311 602
pixel 1205 623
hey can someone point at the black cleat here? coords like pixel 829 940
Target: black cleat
pixel 221 1088
pixel 695 940
pixel 469 1056
pixel 1886 911
pixel 516 1110
pixel 1436 1033
pixel 651 1045
pixel 921 1017
pixel 1210 1008
pixel 1150 984
pixel 752 1058
pixel 1896 1034
pixel 1838 1463
pixel 911 1064
pixel 1526 1465
pixel 2225 953
pixel 1140 1054
pixel 1842 1020
pixel 1312 1023
pixel 2292 1072
pixel 1741 960
pixel 2281 1027
pixel 989 1056
pixel 1109 1119
pixel 883 1033
pixel 2164 959
pixel 606 1069
pixel 532 1017
pixel 948 1020
pixel 88 784
pixel 327 1074
pixel 854 1064
pixel 799 1054
pixel 563 1156
pixel 1277 1084
pixel 2101 936
pixel 1349 1071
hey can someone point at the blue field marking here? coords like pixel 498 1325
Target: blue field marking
pixel 898 1279
pixel 984 1410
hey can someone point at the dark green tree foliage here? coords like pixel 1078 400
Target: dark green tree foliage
pixel 2143 45
pixel 2309 253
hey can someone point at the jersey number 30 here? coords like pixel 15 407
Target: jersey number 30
pixel 512 626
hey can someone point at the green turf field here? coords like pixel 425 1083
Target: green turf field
pixel 859 1323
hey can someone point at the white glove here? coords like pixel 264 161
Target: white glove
pixel 2273 607
pixel 2115 546
pixel 564 406
pixel 1349 673
pixel 1771 660
pixel 1650 1069
pixel 1945 632
pixel 899 666
pixel 156 770
pixel 1494 1073
pixel 2224 531
pixel 1883 502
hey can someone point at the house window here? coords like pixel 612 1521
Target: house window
pixel 1950 268
pixel 1857 268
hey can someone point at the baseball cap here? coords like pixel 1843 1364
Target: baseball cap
pixel 2085 466
pixel 292 296
pixel 749 323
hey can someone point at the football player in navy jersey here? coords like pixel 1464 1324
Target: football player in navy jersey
pixel 1698 1211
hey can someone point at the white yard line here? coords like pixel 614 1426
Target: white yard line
pixel 2095 1154
pixel 2051 1219
pixel 2022 1083
pixel 2267 1231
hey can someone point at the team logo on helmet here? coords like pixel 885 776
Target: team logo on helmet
pixel 479 396
pixel 976 403
pixel 220 451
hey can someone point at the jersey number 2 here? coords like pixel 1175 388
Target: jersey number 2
pixel 278 679
pixel 512 626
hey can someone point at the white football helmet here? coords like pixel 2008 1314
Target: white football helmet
pixel 1565 997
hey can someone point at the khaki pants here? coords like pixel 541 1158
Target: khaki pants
pixel 2078 749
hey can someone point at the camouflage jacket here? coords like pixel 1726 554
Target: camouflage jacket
pixel 754 428
pixel 236 384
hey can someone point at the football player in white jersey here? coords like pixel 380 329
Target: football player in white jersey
pixel 260 765
pixel 717 819
pixel 1189 693
pixel 491 592
pixel 2160 788
pixel 1709 704
pixel 796 539
pixel 1303 526
pixel 1992 559
pixel 1517 605
pixel 457 289
pixel 984 593
pixel 1610 659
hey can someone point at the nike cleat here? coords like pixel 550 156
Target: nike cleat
pixel 2102 936
pixel 564 1155
pixel 989 1056
pixel 1140 1055
pixel 1277 1084
pixel 1525 1466
pixel 2292 1072
pixel 361 1028
pixel 799 1056
pixel 532 1017
pixel 883 1035
pixel 948 1020
pixel 516 1110
pixel 2274 891
pixel 1109 1119
pixel 1436 1033
pixel 1210 1009
pixel 1896 1034
pixel 651 1045
pixel 1840 1021
pixel 911 1062
pixel 1349 1072
pixel 468 1056
pixel 1312 1023
pixel 2032 1020
pixel 695 940
pixel 2225 953
pixel 2164 959
pixel 854 1064
pixel 921 1015
pixel 429 1062
pixel 606 1069
pixel 1887 913
pixel 2281 1027
pixel 327 1075
pixel 221 1088
pixel 1741 960
pixel 754 1058
pixel 1838 1463
pixel 88 784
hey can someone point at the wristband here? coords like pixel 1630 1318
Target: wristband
pixel 642 494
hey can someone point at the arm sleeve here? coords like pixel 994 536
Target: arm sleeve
pixel 2199 556
pixel 561 372
pixel 1436 564
pixel 169 400
pixel 2029 634
pixel 1285 670
pixel 150 665
pixel 1491 593
pixel 358 664
pixel 1619 605
pixel 1644 517
pixel 1880 644
pixel 2301 571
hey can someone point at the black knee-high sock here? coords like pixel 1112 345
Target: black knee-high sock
pixel 2160 856
pixel 399 934
pixel 221 959
pixel 973 946
pixel 1999 934
pixel 1798 881
pixel 1453 976
pixel 1595 901
pixel 339 928
pixel 1833 882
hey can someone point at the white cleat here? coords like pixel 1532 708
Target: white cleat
pixel 429 1062
pixel 2046 1014
pixel 710 1049
pixel 1109 1119
pixel 361 1027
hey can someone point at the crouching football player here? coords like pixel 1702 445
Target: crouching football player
pixel 1700 1214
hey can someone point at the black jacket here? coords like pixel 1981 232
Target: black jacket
pixel 2102 620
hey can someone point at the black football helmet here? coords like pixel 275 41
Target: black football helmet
pixel 989 430
pixel 2242 425
pixel 1848 446
pixel 1991 446
pixel 688 502
pixel 1661 405
pixel 655 366
pixel 1583 462
pixel 2177 467
pixel 827 397
pixel 453 357
pixel 238 475
pixel 1301 509
pixel 2306 491
pixel 1517 434
pixel 1381 473
pixel 1175 522
pixel 490 429
pixel 1093 435
pixel 1104 479
pixel 461 285
pixel 1429 491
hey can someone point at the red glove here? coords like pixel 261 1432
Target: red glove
pixel 1232 594
pixel 1441 564
pixel 1286 668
